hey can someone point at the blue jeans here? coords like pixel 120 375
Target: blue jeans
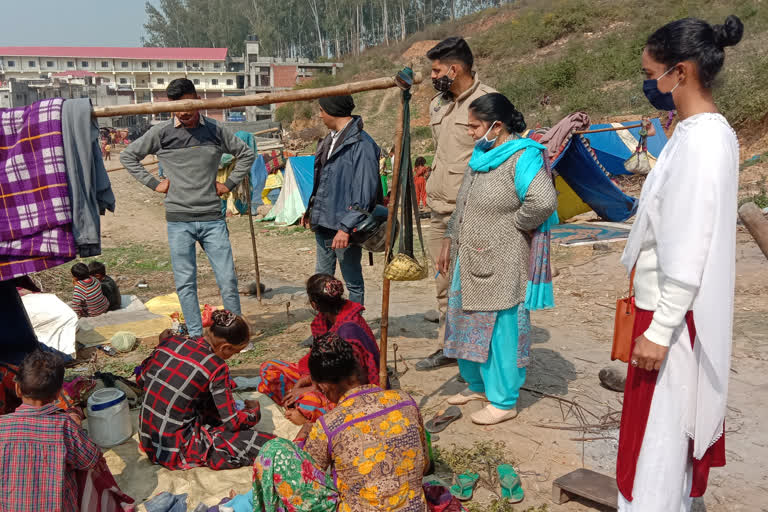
pixel 213 237
pixel 350 262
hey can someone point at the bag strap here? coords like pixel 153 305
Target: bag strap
pixel 632 283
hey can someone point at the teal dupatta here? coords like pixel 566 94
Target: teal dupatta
pixel 539 293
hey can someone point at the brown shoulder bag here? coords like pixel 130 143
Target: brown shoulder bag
pixel 624 324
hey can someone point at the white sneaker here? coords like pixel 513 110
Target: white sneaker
pixel 465 397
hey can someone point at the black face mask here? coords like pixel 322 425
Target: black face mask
pixel 442 84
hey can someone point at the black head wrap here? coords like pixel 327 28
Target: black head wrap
pixel 338 106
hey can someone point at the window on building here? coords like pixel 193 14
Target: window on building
pixel 123 81
pixel 145 64
pixel 49 64
pixel 214 81
pixel 31 63
pixel 217 65
pixel 105 64
pixel 195 64
pixel 84 64
pixel 159 64
pixel 11 63
pixel 179 65
pixel 160 81
pixel 196 81
pixel 230 81
pixel 70 63
pixel 124 64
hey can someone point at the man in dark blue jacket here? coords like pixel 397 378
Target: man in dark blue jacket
pixel 346 181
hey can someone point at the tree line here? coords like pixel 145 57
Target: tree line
pixel 298 28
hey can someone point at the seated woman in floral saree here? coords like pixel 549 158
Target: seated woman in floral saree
pixel 373 442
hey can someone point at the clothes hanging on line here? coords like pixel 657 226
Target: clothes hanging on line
pixel 90 191
pixel 53 185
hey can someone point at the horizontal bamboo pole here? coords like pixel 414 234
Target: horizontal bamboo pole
pixel 262 132
pixel 248 100
pixel 612 129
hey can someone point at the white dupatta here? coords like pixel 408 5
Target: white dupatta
pixel 688 207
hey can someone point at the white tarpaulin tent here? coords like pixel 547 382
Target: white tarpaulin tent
pixel 297 188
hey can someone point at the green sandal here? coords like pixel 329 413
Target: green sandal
pixel 511 487
pixel 466 486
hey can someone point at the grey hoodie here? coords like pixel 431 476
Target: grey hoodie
pixel 190 159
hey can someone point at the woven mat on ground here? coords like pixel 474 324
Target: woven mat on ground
pixel 141 480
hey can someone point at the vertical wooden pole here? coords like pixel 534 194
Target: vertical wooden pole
pixel 394 196
pixel 253 237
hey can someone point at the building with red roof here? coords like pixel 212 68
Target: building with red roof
pixel 118 75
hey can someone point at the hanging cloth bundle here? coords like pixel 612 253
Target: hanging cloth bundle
pixel 639 162
pixel 403 265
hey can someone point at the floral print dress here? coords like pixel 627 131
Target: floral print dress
pixel 374 444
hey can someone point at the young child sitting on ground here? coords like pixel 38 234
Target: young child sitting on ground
pixel 108 285
pixel 43 447
pixel 87 297
pixel 289 384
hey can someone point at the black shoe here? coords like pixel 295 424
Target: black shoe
pixel 435 361
pixel 307 343
pixel 612 379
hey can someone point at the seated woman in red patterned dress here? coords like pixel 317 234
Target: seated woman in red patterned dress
pixel 188 417
pixel 289 384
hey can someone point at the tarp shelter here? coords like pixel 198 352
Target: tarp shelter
pixel 297 187
pixel 613 148
pixel 586 164
pixel 583 184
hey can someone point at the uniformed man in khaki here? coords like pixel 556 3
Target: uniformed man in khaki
pixel 458 86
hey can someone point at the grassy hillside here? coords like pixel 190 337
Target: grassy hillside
pixel 581 54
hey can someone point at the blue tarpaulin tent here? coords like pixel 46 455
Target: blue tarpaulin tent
pixel 579 167
pixel 297 187
pixel 613 148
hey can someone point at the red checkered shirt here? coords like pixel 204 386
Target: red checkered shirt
pixel 40 449
pixel 188 405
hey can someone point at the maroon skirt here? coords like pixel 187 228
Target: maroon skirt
pixel 638 394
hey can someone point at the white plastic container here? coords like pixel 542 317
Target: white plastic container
pixel 109 419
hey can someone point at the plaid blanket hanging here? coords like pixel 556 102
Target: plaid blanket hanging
pixel 35 223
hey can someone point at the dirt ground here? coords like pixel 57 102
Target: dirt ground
pixel 571 344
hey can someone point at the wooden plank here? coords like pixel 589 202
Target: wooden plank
pixel 587 484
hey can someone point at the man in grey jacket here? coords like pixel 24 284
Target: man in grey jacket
pixel 189 148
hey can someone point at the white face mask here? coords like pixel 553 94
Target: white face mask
pixel 484 144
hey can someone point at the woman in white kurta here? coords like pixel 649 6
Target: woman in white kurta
pixel 682 247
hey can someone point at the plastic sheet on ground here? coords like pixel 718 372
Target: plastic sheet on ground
pixel 133 317
pixel 54 322
pixel 141 480
pixel 585 234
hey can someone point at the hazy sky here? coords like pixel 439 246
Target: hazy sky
pixel 71 22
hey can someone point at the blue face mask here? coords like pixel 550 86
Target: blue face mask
pixel 659 100
pixel 484 144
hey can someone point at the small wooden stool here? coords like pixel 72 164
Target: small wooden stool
pixel 586 484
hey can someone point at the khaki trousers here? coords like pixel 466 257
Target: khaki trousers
pixel 438 225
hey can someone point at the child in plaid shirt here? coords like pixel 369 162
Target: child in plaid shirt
pixel 43 446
